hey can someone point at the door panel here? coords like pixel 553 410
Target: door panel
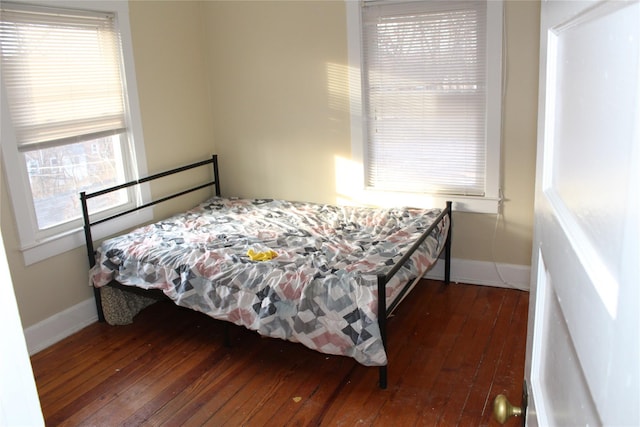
pixel 556 370
pixel 582 349
pixel 589 58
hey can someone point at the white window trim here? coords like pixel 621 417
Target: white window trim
pixel 36 248
pixel 492 200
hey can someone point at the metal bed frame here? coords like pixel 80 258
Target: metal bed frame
pixel 384 311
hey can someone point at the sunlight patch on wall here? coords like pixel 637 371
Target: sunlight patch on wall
pixel 349 181
pixel 338 86
pixel 350 189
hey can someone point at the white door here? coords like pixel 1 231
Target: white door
pixel 19 403
pixel 583 362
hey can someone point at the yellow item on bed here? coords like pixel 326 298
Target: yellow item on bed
pixel 261 256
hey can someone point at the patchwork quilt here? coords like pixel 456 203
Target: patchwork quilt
pixel 302 272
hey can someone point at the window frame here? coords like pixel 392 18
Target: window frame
pixel 37 245
pixel 492 199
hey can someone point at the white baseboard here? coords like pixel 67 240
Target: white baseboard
pixel 60 325
pixel 484 273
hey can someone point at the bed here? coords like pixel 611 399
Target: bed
pixel 325 276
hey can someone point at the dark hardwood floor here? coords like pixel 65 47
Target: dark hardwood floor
pixel 452 349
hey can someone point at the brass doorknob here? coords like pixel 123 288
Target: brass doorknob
pixel 503 409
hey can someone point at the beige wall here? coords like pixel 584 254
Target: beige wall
pixel 278 127
pixel 268 79
pixel 280 111
pixel 171 72
pixel 176 119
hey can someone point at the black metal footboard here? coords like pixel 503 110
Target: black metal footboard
pixel 383 310
pixel 84 197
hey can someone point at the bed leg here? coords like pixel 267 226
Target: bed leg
pixel 382 373
pixel 447 247
pixel 227 336
pixel 98 297
pixel 382 324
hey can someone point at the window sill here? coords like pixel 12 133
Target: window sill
pixel 73 239
pixel 474 204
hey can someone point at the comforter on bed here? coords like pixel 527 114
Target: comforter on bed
pixel 319 288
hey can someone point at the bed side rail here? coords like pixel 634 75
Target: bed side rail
pixel 383 310
pixel 398 265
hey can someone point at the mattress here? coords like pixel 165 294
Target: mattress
pixel 303 272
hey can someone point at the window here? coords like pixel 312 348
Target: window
pixel 70 110
pixel 427 104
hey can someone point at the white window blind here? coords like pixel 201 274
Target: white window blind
pixel 62 74
pixel 425 91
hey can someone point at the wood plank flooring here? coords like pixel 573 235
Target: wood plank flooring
pixel 452 349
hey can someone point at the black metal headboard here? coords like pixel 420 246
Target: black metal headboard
pixel 86 196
